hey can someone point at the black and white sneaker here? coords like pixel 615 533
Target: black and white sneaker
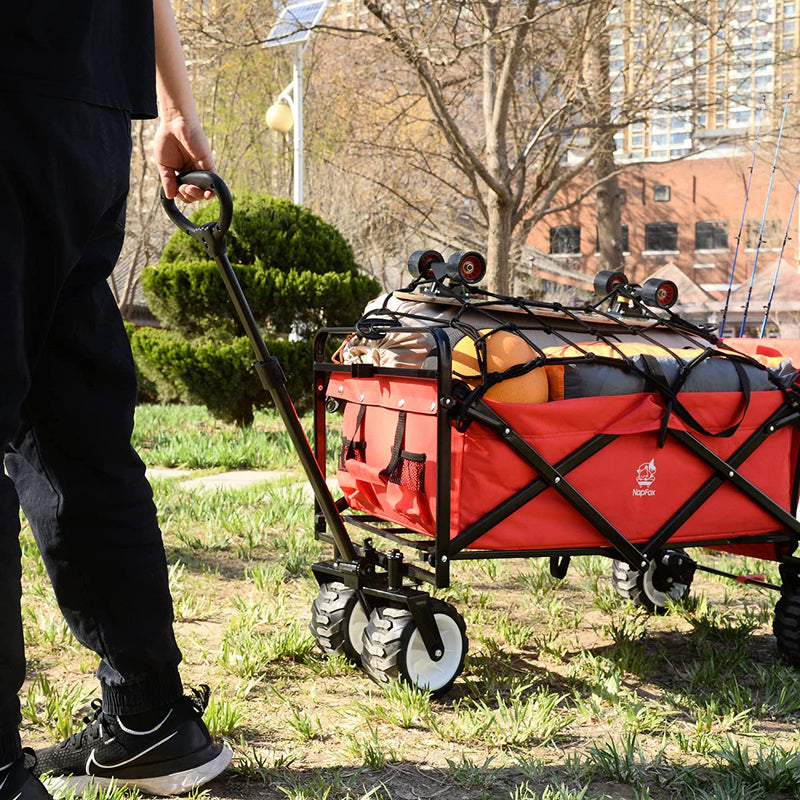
pixel 17 781
pixel 173 757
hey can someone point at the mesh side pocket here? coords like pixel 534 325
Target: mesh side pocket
pixel 409 473
pixel 352 450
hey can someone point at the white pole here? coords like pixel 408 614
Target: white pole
pixel 298 125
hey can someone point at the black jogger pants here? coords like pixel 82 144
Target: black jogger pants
pixel 67 400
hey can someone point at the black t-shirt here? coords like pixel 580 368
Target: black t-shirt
pixel 98 51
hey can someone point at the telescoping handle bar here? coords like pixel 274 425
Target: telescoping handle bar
pixel 212 236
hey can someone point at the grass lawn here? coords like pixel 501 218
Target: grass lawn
pixel 567 692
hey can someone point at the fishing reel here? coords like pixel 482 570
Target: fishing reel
pixel 628 298
pixel 463 268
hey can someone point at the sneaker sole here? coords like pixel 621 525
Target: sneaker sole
pixel 175 783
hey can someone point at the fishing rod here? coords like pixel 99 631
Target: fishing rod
pixel 778 265
pixel 744 209
pixel 764 217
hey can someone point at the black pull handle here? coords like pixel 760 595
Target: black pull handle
pixel 218 229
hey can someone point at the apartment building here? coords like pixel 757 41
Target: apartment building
pixel 696 191
pixel 715 71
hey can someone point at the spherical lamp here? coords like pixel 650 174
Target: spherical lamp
pixel 280 117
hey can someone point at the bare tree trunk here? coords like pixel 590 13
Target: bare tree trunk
pixel 499 244
pixel 607 210
pixel 499 194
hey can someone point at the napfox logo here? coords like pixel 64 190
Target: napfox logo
pixel 645 477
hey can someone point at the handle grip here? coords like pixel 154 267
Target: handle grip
pixel 203 180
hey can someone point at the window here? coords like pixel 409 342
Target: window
pixel 711 235
pixel 771 237
pixel 565 239
pixel 661 236
pixel 659 140
pixel 661 193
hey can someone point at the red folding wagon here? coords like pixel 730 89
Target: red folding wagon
pixel 477 426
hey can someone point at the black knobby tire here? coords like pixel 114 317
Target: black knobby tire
pixel 636 586
pixel 786 623
pixel 338 621
pixel 394 651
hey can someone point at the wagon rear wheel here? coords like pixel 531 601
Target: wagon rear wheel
pixel 668 577
pixel 338 621
pixel 393 648
pixel 786 624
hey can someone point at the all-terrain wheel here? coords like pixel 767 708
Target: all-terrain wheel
pixel 338 621
pixel 669 577
pixel 394 650
pixel 786 623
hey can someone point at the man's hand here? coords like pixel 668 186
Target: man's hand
pixel 180 146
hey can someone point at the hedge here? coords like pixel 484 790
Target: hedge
pixel 220 375
pixel 274 232
pixel 298 274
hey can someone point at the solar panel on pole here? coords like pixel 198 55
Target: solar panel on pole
pixel 295 23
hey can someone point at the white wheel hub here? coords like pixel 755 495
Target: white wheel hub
pixel 656 596
pixel 355 627
pixel 423 671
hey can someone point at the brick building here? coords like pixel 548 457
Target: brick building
pixel 687 213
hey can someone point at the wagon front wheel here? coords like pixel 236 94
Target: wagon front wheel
pixel 338 621
pixel 668 577
pixel 393 648
pixel 786 624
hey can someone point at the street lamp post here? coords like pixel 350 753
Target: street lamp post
pixel 287 113
pixel 294 26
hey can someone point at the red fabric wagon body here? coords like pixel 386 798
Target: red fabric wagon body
pixel 633 482
pixel 654 476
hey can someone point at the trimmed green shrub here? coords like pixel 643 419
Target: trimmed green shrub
pixel 297 272
pixel 221 376
pixel 189 297
pixel 274 232
pixel 146 391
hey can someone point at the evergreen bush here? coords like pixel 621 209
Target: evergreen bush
pixel 147 392
pixel 188 296
pixel 297 272
pixel 274 232
pixel 220 376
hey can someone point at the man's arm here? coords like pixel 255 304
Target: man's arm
pixel 180 144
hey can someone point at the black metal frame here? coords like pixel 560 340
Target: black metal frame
pixel 439 551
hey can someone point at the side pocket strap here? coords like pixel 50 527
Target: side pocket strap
pixel 397 447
